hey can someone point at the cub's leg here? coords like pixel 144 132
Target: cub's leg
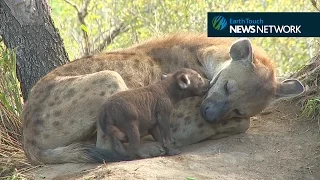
pixel 132 131
pixel 155 133
pixel 164 127
pixel 117 133
pixel 118 146
pixel 153 149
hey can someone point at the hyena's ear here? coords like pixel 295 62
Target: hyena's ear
pixel 183 81
pixel 289 88
pixel 242 50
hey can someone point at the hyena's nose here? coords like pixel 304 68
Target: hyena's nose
pixel 212 112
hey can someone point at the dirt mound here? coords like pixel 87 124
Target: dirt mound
pixel 280 144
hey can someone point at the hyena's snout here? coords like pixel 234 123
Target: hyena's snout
pixel 213 111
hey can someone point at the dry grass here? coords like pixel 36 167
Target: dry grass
pixel 13 161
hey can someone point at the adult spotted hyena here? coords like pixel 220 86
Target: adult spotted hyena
pixel 59 118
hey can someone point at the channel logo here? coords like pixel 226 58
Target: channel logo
pixel 262 24
pixel 219 23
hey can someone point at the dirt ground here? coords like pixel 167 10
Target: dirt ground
pixel 280 144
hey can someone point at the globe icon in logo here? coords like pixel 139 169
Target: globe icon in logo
pixel 219 22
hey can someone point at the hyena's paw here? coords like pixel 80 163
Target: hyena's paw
pixel 173 152
pixel 151 149
pixel 142 155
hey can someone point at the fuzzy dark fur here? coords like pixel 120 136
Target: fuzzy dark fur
pixel 146 110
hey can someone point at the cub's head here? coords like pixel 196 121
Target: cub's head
pixel 245 85
pixel 189 82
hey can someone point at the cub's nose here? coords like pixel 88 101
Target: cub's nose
pixel 206 85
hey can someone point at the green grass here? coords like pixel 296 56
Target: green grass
pixel 311 109
pixel 191 178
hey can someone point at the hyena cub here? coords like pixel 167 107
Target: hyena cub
pixel 148 109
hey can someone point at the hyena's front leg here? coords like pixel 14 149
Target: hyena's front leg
pixel 230 127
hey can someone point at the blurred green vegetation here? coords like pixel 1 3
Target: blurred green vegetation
pixel 10 94
pixel 146 18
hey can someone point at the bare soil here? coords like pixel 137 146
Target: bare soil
pixel 280 144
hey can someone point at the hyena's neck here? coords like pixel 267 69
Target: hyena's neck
pixel 174 56
pixel 213 67
pixel 171 58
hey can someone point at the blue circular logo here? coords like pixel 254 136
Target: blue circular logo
pixel 219 22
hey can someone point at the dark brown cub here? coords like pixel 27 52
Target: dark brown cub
pixel 137 112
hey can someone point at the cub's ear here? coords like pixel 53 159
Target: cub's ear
pixel 289 88
pixel 164 76
pixel 183 81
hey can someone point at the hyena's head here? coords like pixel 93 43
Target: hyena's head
pixel 245 86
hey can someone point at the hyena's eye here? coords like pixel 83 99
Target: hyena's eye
pixel 226 88
pixel 238 112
